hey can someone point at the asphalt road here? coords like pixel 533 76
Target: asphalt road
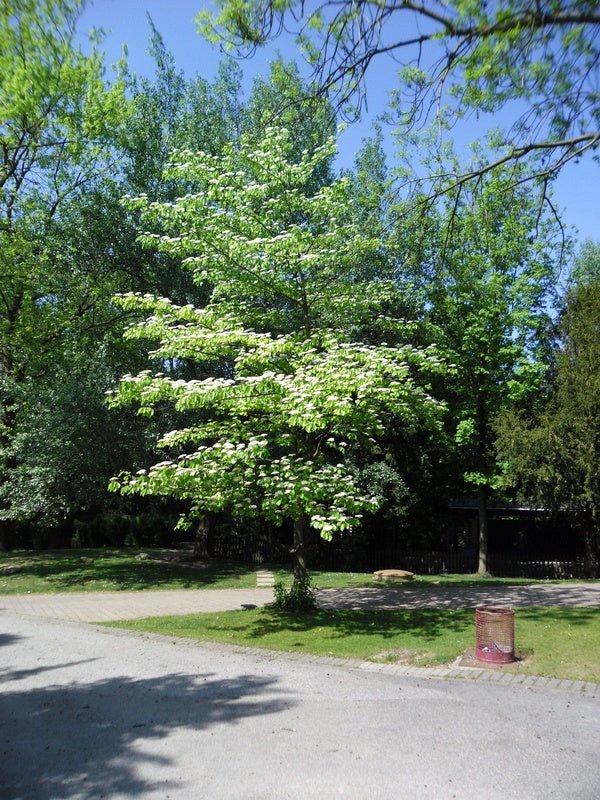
pixel 88 713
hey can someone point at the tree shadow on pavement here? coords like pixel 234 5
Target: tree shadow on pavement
pixel 453 597
pixel 9 675
pixel 103 739
pixel 9 638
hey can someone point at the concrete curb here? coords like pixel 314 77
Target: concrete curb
pixel 446 673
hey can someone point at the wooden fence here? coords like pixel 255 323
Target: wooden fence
pixel 438 563
pixel 257 550
pixel 506 567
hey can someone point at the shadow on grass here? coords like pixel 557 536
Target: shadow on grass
pixel 571 616
pixel 427 624
pixel 106 738
pixel 268 627
pixel 122 571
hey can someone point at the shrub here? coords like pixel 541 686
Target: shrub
pixel 299 597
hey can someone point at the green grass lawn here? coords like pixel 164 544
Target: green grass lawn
pixel 114 570
pixel 559 642
pixel 562 642
pixel 88 570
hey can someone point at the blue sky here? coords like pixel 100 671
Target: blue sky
pixel 576 192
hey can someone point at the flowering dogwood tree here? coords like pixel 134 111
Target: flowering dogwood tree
pixel 289 392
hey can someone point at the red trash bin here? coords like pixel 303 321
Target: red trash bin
pixel 495 634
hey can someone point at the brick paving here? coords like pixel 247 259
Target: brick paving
pixel 110 606
pixel 410 596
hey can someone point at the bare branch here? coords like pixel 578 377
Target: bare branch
pixel 481 60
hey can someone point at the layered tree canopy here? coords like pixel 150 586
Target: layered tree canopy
pixel 308 351
pixel 287 391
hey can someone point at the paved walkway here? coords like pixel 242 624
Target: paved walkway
pixel 410 596
pixel 107 606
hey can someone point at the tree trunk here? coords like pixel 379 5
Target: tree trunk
pixel 6 527
pixel 8 419
pixel 201 540
pixel 592 553
pixel 483 530
pixel 302 535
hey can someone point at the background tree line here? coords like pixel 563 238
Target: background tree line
pixel 414 346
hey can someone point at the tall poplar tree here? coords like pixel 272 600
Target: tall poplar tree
pixel 490 293
pixel 554 455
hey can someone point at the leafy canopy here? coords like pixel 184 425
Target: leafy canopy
pixel 490 298
pixel 554 455
pixel 59 126
pixel 287 391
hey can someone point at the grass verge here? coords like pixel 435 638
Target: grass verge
pixel 114 570
pixel 562 642
pixel 88 570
